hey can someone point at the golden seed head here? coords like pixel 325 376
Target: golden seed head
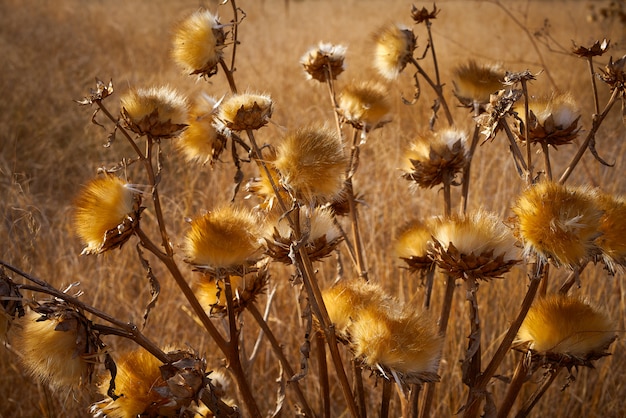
pixel 476 245
pixel 225 238
pixel 198 43
pixel 553 119
pixel 160 112
pixel 324 61
pixel 365 105
pixel 566 325
pixel 394 49
pixel 322 235
pixel 613 230
pixel 412 245
pixel 245 111
pixel 312 164
pixel 407 343
pixel 434 157
pixel 56 346
pixel 201 142
pixel 262 188
pixel 558 223
pixel 106 213
pixel 138 375
pixel 474 83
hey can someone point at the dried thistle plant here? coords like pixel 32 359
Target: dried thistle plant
pixel 248 111
pixel 365 105
pixel 324 61
pixel 394 49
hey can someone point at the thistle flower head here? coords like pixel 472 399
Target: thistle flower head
pixel 435 157
pixel 365 105
pixel 311 163
pixel 324 61
pixel 201 141
pixel 199 43
pixel 476 245
pixel 225 238
pixel 106 213
pixel 57 345
pixel 147 387
pixel 553 120
pixel 318 226
pixel 394 49
pixel 245 111
pixel 597 49
pixel 412 245
pixel 566 326
pixel 558 223
pixel 474 83
pixel 613 230
pixel 407 344
pixel 159 112
pixel 423 15
pixel 614 74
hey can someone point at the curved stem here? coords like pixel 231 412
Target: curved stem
pixel 437 89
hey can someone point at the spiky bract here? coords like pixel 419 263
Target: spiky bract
pixel 160 112
pixel 324 61
pixel 246 111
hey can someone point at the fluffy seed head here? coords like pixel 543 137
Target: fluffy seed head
pixel 406 343
pixel 262 188
pixel 613 230
pixel 227 237
pixel 160 112
pixel 56 347
pixel 324 61
pixel 412 245
pixel 201 142
pixel 566 325
pixel 558 222
pixel 211 291
pixel 319 227
pixel 393 50
pixel 475 245
pixel 474 83
pixel 198 43
pixel 552 120
pixel 246 111
pixel 365 105
pixel 311 163
pixel 434 157
pixel 106 212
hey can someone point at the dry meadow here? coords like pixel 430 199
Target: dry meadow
pixel 52 52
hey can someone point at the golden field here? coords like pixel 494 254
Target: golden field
pixel 53 51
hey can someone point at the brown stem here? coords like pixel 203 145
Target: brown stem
pixel 323 373
pixel 414 400
pixel 529 161
pixel 530 403
pixel 357 374
pixel 517 153
pixel 386 398
pixel 472 364
pixel 519 377
pixel 572 278
pixel 466 170
pixel 437 89
pixel 597 121
pixel 229 77
pixel 276 346
pixel 594 88
pixel 546 160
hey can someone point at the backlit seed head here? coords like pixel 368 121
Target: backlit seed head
pixel 348 298
pixel 261 187
pixel 211 291
pixel 201 141
pixel 245 111
pixel 365 105
pixel 312 164
pixel 412 246
pixel 394 49
pixel 56 345
pixel 199 43
pixel 474 83
pixel 160 112
pixel 407 344
pixel 106 212
pixel 558 223
pixel 477 245
pixel 225 238
pixel 552 120
pixel 324 61
pixel 613 230
pixel 567 326
pixel 435 157
pixel 322 235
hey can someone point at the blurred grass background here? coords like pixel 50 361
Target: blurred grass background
pixel 52 52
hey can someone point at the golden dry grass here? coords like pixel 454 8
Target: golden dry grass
pixel 51 53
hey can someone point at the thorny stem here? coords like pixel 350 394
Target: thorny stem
pixel 519 377
pixel 276 346
pixel 437 89
pixel 128 330
pixel 530 403
pixel 597 121
pixel 477 393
